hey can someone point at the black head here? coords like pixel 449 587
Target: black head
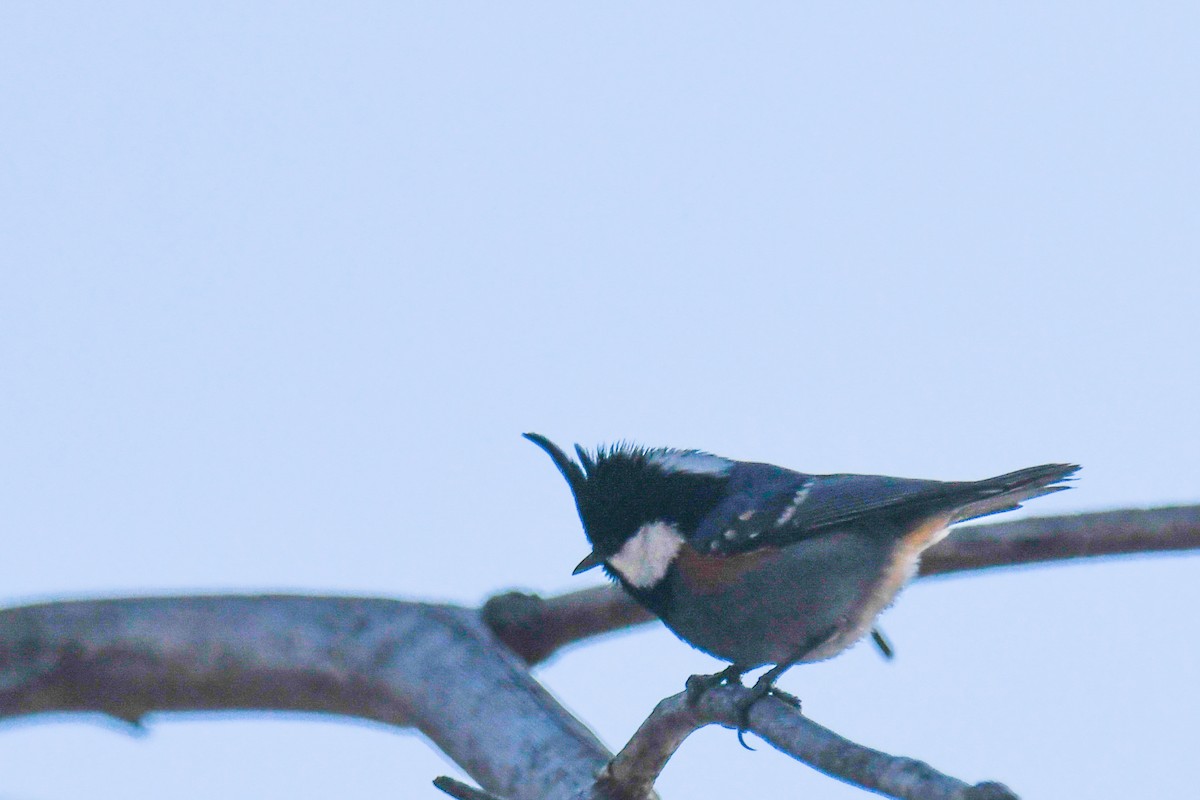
pixel 620 489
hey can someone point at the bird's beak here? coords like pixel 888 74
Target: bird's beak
pixel 590 561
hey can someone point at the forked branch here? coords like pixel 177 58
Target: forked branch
pixel 432 667
pixel 442 670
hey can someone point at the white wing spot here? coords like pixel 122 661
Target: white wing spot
pixel 797 499
pixel 645 558
pixel 745 516
pixel 729 534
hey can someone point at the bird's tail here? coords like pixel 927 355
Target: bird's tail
pixel 1006 492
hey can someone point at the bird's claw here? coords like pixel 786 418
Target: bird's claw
pixel 761 689
pixel 698 685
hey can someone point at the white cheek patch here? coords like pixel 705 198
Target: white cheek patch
pixel 646 557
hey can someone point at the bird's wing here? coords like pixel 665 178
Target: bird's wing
pixel 769 506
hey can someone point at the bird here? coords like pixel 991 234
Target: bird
pixel 760 565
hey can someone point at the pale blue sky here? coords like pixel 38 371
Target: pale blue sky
pixel 284 283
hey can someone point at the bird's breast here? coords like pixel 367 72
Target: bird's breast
pixel 702 574
pixel 765 606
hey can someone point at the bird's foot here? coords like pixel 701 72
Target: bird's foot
pixel 698 685
pixel 764 687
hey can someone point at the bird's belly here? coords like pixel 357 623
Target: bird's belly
pixel 808 601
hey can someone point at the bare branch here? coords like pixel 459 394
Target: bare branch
pixel 633 771
pixel 536 628
pixel 437 668
pixel 441 669
pixel 1043 539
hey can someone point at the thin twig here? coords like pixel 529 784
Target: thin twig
pixel 632 772
pixel 461 791
pixel 536 628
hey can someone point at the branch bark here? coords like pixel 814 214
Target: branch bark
pixel 536 628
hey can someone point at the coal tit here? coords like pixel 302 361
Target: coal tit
pixel 756 564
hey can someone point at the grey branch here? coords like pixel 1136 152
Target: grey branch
pixel 442 669
pixel 536 628
pixel 633 771
pixel 1043 539
pixel 436 668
